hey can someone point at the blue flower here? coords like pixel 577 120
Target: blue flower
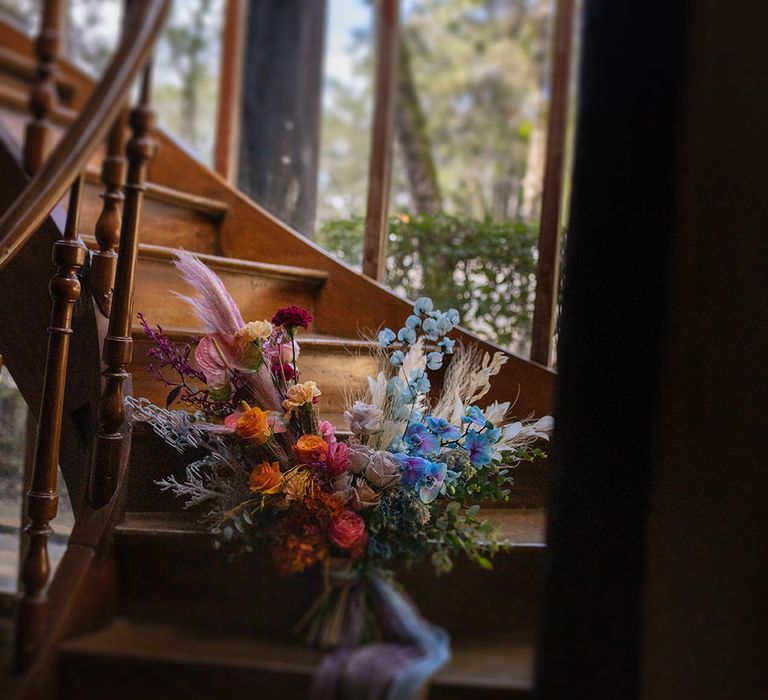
pixel 397 358
pixel 413 468
pixel 443 429
pixel 429 326
pixel 418 382
pixel 420 440
pixel 386 337
pixel 444 324
pixel 407 335
pixel 479 448
pixel 412 321
pixel 430 484
pixel 453 316
pixel 446 345
pixel 494 435
pixel 423 305
pixel 434 360
pixel 474 416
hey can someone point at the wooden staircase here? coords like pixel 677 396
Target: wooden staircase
pixel 178 619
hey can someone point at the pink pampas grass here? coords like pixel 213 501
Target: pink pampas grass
pixel 214 307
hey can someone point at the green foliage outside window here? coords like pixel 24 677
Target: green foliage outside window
pixel 484 268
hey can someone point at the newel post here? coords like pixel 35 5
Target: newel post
pixel 41 502
pixel 118 345
pixel 42 98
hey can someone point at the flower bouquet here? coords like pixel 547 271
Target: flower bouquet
pixel 404 482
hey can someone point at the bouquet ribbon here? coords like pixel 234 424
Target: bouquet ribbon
pixel 395 667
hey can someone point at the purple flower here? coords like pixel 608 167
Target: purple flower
pixel 364 418
pixel 413 468
pixel 292 317
pixel 479 447
pixel 420 440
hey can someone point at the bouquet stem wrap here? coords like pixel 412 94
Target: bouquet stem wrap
pixel 384 649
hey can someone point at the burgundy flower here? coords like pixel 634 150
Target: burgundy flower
pixel 292 317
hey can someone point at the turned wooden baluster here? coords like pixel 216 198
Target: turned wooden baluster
pixel 118 345
pixel 104 261
pixel 42 99
pixel 69 256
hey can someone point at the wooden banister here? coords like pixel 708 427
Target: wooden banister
pixel 548 264
pixel 380 163
pixel 72 153
pixel 69 255
pixel 43 97
pixel 118 345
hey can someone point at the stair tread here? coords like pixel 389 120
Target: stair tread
pixel 518 527
pixel 218 263
pixel 500 663
pixel 171 195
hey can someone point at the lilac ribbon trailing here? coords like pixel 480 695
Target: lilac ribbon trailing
pixel 396 668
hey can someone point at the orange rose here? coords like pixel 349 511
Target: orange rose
pixel 253 425
pixel 266 478
pixel 311 449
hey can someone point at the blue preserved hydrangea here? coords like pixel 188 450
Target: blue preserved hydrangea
pixel 396 358
pixel 412 321
pixel 406 335
pixel 386 337
pixel 418 382
pixel 423 305
pixel 474 416
pixel 453 317
pixel 479 447
pixel 429 326
pixel 434 360
pixel 443 428
pixel 446 345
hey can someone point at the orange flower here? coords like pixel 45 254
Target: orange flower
pixel 311 449
pixel 266 478
pixel 253 425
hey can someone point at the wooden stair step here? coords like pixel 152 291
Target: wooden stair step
pixel 170 217
pixel 231 592
pixel 147 660
pixel 257 288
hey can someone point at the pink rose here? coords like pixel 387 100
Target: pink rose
pixel 348 532
pixel 337 458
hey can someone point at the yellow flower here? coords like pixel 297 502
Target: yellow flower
pixel 266 478
pixel 298 395
pixel 255 330
pixel 297 484
pixel 253 425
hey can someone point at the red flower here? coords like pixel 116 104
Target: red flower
pixel 292 317
pixel 347 531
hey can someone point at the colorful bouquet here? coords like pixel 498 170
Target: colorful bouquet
pixel 404 483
